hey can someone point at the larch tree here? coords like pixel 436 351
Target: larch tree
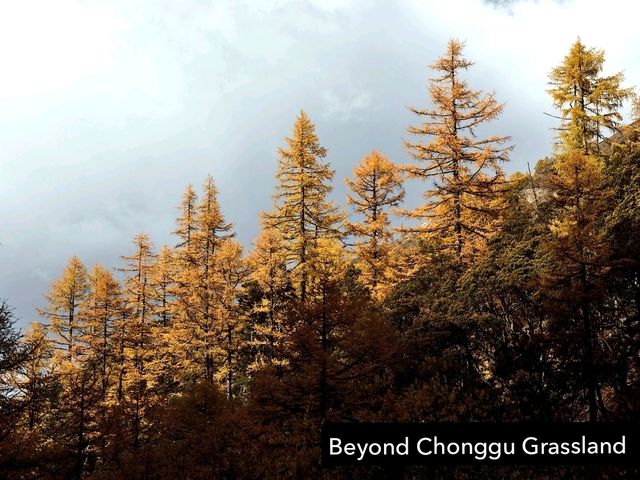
pixel 138 379
pixel 302 212
pixel 376 187
pixel 185 278
pixel 161 282
pixel 100 311
pixel 186 222
pixel 269 270
pixel 76 383
pixel 212 231
pixel 72 385
pixel 63 299
pixel 463 169
pixel 194 331
pixel 589 103
pixel 229 274
pixel 185 257
pixel 579 251
pixel 589 106
pixel 163 309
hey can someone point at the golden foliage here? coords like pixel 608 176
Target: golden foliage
pixel 464 170
pixel 377 186
pixel 63 300
pixel 589 103
pixel 302 213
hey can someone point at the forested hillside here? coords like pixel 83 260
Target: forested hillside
pixel 497 298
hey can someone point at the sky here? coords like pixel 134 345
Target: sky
pixel 109 108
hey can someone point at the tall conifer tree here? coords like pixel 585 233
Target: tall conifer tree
pixel 302 212
pixel 463 169
pixel 212 231
pixel 138 378
pixel 589 102
pixel 377 186
pixel 63 300
pixel 101 309
pixel 589 105
pixel 230 273
pixel 193 342
pixel 269 271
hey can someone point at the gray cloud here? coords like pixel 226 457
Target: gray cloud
pixel 102 148
pixel 503 3
pixel 508 4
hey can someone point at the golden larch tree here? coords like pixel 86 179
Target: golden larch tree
pixel 163 309
pixel 589 106
pixel 186 222
pixel 212 231
pixel 463 169
pixel 63 299
pixel 228 277
pixel 202 230
pixel 579 251
pixel 589 103
pixel 99 312
pixel 138 380
pixel 376 187
pixel 177 340
pixel 162 288
pixel 302 212
pixel 268 264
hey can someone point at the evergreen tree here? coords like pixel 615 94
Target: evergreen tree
pixel 377 185
pixel 464 169
pixel 622 278
pixel 11 358
pixel 14 356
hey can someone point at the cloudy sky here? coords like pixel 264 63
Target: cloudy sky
pixel 109 108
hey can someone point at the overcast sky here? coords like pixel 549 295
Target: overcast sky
pixel 108 109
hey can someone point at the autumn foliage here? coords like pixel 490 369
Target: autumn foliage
pixel 498 298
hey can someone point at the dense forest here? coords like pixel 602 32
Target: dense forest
pixel 498 298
